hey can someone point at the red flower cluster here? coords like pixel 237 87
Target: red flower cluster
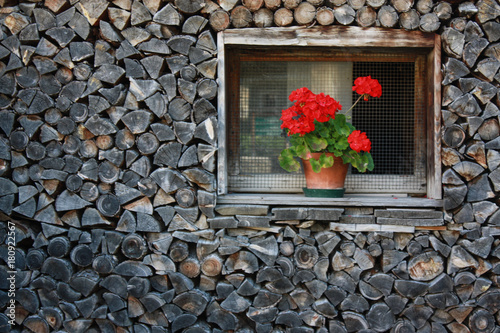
pixel 367 86
pixel 358 141
pixel 308 107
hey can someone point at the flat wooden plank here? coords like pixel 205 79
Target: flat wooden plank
pixel 328 36
pixel 370 228
pixel 397 228
pixel 342 227
pixel 439 228
pixel 347 201
pixel 404 213
pixel 275 230
pixel 410 221
pixel 221 110
pixel 434 186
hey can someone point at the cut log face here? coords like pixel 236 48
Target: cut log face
pixel 306 256
pixel 58 247
pixel 212 265
pixel 133 246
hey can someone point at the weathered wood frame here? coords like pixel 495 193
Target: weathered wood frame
pixel 340 36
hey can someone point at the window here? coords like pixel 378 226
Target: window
pixel 258 69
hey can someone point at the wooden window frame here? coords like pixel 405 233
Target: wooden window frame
pixel 340 36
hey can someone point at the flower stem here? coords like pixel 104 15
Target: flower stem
pixel 352 106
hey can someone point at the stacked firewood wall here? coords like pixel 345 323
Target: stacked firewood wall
pixel 108 149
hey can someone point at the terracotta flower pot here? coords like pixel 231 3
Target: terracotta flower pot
pixel 329 182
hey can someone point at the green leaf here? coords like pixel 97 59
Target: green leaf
pixel 302 151
pixel 316 167
pixel 325 161
pixel 296 140
pixel 360 162
pixel 323 131
pixel 287 161
pixel 316 144
pixel 341 143
pixel 340 125
pixel 371 164
pixel 337 153
pixel 353 154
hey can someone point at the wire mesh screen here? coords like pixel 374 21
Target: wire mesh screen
pixel 394 123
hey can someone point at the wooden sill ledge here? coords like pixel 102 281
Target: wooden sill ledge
pixel 347 201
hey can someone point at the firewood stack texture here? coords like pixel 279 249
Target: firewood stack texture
pixel 108 147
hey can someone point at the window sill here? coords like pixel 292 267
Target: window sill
pixel 353 200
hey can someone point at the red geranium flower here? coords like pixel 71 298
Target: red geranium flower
pixel 307 108
pixel 358 141
pixel 367 86
pixel 314 125
pixel 301 95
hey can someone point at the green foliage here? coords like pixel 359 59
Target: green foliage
pixel 314 125
pixel 341 144
pixel 340 125
pixel 361 161
pixel 315 143
pixel 323 162
pixel 287 160
pixel 330 136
